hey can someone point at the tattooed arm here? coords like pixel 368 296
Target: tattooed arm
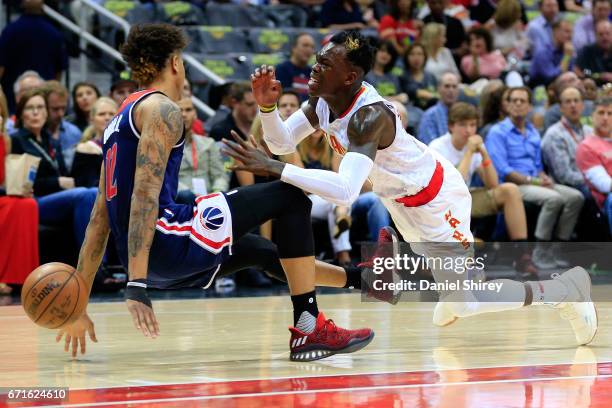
pixel 96 237
pixel 161 127
pixel 90 257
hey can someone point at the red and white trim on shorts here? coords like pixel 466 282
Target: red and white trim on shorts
pixel 186 229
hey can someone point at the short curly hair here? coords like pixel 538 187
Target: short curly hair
pixel 359 49
pixel 148 47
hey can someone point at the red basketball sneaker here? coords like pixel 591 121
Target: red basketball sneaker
pixel 388 247
pixel 326 340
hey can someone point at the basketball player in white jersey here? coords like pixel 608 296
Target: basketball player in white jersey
pixel 424 193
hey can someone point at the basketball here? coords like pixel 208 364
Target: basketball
pixel 54 295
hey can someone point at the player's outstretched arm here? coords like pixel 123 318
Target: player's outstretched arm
pixel 162 126
pixel 281 136
pixel 367 129
pixel 90 258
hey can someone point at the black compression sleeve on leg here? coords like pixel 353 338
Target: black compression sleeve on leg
pixel 253 205
pixel 253 251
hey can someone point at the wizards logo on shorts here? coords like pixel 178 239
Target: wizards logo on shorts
pixel 212 218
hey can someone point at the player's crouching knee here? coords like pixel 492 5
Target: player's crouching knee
pixel 298 198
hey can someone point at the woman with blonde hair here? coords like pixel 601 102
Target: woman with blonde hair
pixel 88 156
pixel 508 31
pixel 440 59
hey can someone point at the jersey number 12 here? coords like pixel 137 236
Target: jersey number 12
pixel 111 162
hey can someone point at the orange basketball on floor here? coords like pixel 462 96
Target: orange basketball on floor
pixel 54 295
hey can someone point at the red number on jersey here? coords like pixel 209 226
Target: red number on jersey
pixel 111 162
pixel 336 146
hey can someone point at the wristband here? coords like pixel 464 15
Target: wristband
pixel 136 290
pixel 267 109
pixel 486 163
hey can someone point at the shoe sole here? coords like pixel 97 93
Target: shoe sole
pixel 318 353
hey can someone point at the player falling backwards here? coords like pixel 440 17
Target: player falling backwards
pixel 425 195
pixel 166 245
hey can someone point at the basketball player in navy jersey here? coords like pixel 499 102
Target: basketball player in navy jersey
pixel 167 245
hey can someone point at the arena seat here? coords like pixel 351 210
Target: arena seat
pixel 236 16
pixel 183 13
pixel 222 40
pixel 266 40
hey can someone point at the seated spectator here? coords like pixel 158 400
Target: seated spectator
pixel 220 100
pixel 295 72
pixel 84 94
pixel 198 126
pixel 62 132
pixel 434 122
pixel 483 61
pixel 561 140
pixel 88 157
pixel 59 201
pixel 595 60
pixel 25 82
pixel 202 169
pixel 19 220
pixel 420 85
pixel 399 26
pixel 380 76
pixel 493 106
pixel 31 42
pixel 372 11
pixel 550 61
pixel 508 34
pixel 122 87
pixel 539 30
pixel 439 58
pixel 565 80
pixel 574 6
pixel 584 29
pixel 594 157
pixel 243 112
pixel 514 147
pixel 466 150
pixel 590 89
pixel 454 39
pixel 342 15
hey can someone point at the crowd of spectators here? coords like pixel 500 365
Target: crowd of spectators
pixel 518 99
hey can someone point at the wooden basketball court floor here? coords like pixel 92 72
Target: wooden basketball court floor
pixel 234 353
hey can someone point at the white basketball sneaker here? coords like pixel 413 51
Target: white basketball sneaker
pixel 578 308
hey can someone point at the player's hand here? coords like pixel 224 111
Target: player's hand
pixel 66 183
pixel 251 157
pixel 474 143
pixel 144 318
pixel 75 334
pixel 266 89
pixel 546 180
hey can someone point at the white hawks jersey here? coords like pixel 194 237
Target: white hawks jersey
pixel 402 169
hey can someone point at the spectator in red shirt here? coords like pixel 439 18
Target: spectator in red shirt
pixel 594 157
pixel 19 220
pixel 399 27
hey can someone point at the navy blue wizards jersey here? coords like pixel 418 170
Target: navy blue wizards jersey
pixel 181 255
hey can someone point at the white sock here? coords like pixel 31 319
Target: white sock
pixel 306 323
pixel 510 296
pixel 549 292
